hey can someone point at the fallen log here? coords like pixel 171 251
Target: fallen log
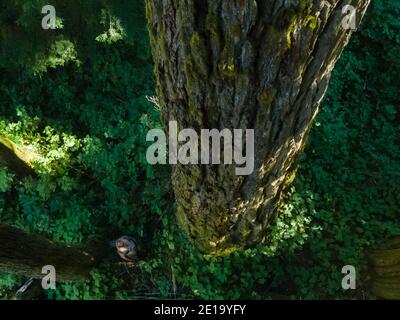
pixel 385 263
pixel 17 159
pixel 26 254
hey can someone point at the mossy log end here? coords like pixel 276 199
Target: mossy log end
pixel 386 271
pixel 16 158
pixel 26 254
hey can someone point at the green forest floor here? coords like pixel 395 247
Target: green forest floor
pixel 83 108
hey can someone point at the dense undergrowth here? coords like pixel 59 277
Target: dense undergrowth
pixel 79 101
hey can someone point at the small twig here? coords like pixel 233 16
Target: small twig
pixel 25 286
pixel 154 101
pixel 174 286
pixel 127 270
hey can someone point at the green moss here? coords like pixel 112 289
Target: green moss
pixel 306 10
pixel 305 5
pixel 228 69
pixel 266 97
pixel 302 17
pixel 236 31
pixel 190 73
pixel 312 22
pixel 292 25
pixel 199 54
pixel 195 41
pixel 212 27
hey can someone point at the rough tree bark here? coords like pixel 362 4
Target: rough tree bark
pixel 243 64
pixel 385 273
pixel 26 254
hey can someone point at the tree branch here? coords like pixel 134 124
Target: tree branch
pixel 16 158
pixel 26 254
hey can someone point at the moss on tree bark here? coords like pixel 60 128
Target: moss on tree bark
pixel 262 65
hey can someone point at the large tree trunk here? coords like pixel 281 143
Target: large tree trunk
pixel 26 254
pixel 243 64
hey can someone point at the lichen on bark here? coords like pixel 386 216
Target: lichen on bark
pixel 242 64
